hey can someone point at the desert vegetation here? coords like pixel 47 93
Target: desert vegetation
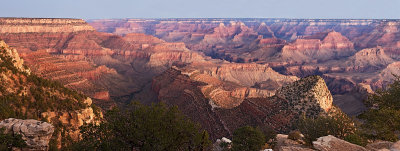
pixel 142 127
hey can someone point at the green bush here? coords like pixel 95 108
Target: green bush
pixel 382 119
pixel 8 141
pixel 356 139
pixel 155 127
pixel 338 125
pixel 270 135
pixel 247 139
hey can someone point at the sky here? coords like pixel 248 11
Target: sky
pixel 102 9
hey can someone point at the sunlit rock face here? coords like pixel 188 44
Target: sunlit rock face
pixel 331 46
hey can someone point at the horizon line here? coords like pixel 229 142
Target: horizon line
pixel 159 18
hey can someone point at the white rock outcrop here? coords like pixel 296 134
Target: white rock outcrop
pixel 35 133
pixel 331 143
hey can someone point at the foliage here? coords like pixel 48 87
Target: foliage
pixel 356 138
pixel 155 127
pixel 40 95
pixel 295 135
pixel 338 125
pixel 382 119
pixel 7 141
pixel 270 135
pixel 247 139
pixel 35 94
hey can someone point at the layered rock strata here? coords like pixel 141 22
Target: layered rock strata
pixel 214 103
pixel 331 46
pixel 41 99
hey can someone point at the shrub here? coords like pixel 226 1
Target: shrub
pixel 247 139
pixel 295 135
pixel 338 125
pixel 8 141
pixel 356 139
pixel 270 135
pixel 382 119
pixel 155 127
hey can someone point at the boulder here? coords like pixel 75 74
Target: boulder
pixel 35 133
pixel 395 146
pixel 294 148
pixel 331 143
pixel 379 145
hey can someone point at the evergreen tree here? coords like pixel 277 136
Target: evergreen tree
pixel 8 141
pixel 155 127
pixel 338 125
pixel 247 139
pixel 382 119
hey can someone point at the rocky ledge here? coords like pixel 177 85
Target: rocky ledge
pixel 35 133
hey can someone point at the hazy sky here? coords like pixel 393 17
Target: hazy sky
pixel 93 9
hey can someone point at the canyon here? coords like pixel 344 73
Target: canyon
pixel 222 73
pixel 25 95
pixel 354 56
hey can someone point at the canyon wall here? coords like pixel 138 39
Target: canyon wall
pixel 38 98
pixel 214 103
pixel 364 33
pixel 354 56
pixel 223 67
pixel 43 25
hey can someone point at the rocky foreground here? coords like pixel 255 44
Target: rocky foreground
pixel 37 136
pixel 331 143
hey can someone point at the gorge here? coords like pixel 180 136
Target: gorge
pixel 221 73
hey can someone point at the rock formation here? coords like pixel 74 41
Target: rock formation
pixel 220 107
pixel 13 54
pixel 193 31
pixel 370 59
pixel 41 99
pixel 331 143
pixel 385 34
pixel 379 145
pixel 42 25
pixel 100 65
pixel 307 95
pixel 331 46
pixel 35 133
pixel 77 75
pixel 237 40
